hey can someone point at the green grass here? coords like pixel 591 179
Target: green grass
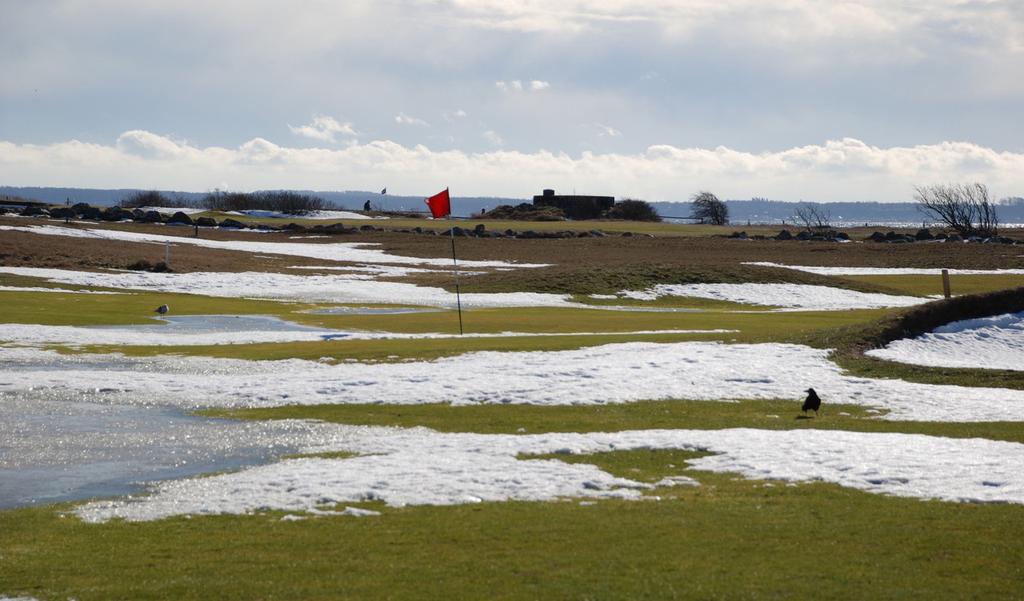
pixel 698 415
pixel 927 285
pixel 729 538
pixel 751 327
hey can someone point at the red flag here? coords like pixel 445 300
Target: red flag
pixel 440 205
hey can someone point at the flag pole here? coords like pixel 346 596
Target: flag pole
pixel 455 265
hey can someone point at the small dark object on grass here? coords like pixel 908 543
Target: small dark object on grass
pixel 813 401
pixel 144 265
pixel 163 309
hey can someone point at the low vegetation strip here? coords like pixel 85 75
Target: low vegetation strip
pixel 876 547
pixel 645 415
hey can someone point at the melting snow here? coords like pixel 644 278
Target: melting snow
pixel 887 270
pixel 351 288
pixel 794 296
pixel 614 373
pixel 988 343
pixel 355 252
pixel 421 467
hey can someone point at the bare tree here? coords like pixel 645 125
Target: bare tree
pixel 966 208
pixel 709 209
pixel 813 216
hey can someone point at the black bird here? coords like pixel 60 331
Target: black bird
pixel 813 401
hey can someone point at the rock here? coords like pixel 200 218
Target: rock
pixel 954 238
pixel 877 237
pixel 34 211
pixel 923 234
pixel 206 222
pixel 232 223
pixel 627 234
pixel 804 236
pixel 583 235
pixel 266 227
pixel 480 229
pixel 739 235
pixel 138 214
pixel 295 227
pixel 62 213
pixel 80 207
pixel 528 235
pixel 784 235
pixel 182 218
pixel 597 233
pixel 842 236
pixel 511 233
pixel 367 228
pixel 152 217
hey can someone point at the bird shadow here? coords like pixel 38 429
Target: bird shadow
pixel 805 417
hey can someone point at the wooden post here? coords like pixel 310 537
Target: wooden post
pixel 945 283
pixel 167 254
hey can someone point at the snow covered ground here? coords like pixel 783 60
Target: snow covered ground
pixel 313 215
pixel 614 373
pixel 988 343
pixel 887 270
pixel 792 296
pixel 422 467
pixel 341 288
pixel 246 333
pixel 355 252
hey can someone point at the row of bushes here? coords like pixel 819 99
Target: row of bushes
pixel 289 203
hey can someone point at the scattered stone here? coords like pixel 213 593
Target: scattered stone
pixel 206 222
pixel 923 234
pixel 784 235
pixel 182 218
pixel 232 223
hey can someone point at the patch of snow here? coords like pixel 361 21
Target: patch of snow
pixel 159 335
pixel 987 343
pixel 614 373
pixel 886 270
pixel 341 289
pixel 312 215
pixel 173 210
pixel 355 252
pixel 793 296
pixel 421 467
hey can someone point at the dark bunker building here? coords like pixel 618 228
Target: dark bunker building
pixel 575 207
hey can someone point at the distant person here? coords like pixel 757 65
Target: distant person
pixel 813 401
pixel 366 206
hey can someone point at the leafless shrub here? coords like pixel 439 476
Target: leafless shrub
pixel 965 208
pixel 709 209
pixel 813 216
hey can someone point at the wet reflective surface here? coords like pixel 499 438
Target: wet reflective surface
pixel 54 451
pixel 206 324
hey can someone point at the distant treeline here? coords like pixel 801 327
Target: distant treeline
pixel 278 201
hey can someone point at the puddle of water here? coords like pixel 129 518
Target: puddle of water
pixel 206 324
pixel 55 451
pixel 372 310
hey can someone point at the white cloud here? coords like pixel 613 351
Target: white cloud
pixel 454 115
pixel 403 119
pixel 845 169
pixel 606 131
pixel 517 85
pixel 324 129
pixel 493 138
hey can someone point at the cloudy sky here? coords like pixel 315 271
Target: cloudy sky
pixel 789 99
